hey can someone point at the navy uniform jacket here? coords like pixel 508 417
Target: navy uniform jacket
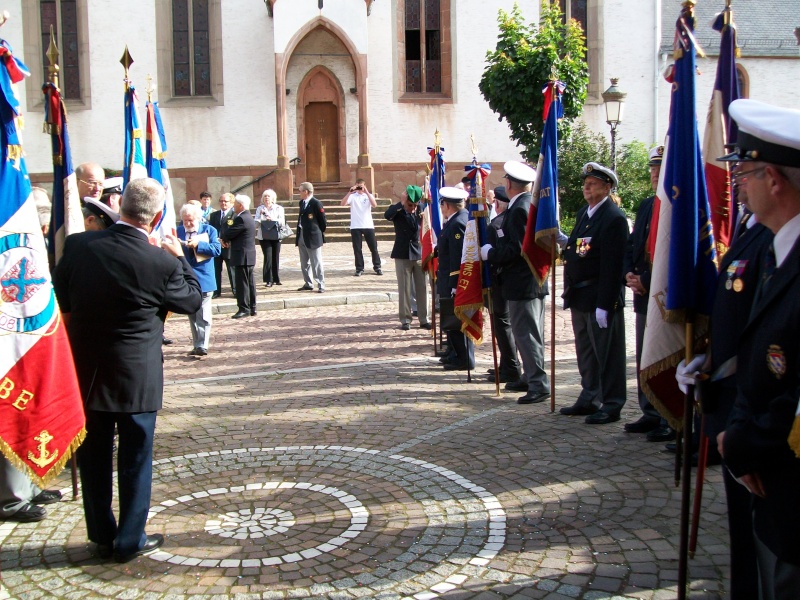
pixel 768 377
pixel 242 238
pixel 118 289
pixel 313 222
pixel 594 260
pixel 215 220
pixel 449 245
pixel 515 276
pixel 636 259
pixel 406 232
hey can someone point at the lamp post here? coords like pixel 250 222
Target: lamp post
pixel 614 100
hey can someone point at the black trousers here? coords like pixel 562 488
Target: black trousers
pixel 218 260
pixel 245 288
pixel 271 250
pixel 509 363
pixel 372 244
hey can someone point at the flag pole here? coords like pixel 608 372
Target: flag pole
pixel 553 325
pixel 52 70
pixel 702 458
pixel 688 405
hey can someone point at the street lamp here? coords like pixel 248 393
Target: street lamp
pixel 614 100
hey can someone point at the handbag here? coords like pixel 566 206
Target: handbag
pixel 269 230
pixel 284 231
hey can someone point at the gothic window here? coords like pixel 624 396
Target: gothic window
pixel 190 47
pixel 62 16
pixel 425 58
pixel 576 9
pixel 588 13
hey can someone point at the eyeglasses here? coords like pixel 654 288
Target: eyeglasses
pixel 94 184
pixel 741 176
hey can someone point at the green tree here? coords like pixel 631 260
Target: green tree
pixel 525 59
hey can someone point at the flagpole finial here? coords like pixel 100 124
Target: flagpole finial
pixel 126 61
pixel 52 58
pixel 474 147
pixel 149 89
pixel 4 16
pixel 437 138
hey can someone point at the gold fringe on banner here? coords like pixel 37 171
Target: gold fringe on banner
pixel 51 474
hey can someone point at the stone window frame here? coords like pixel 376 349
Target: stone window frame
pixel 165 66
pixel 446 53
pixel 33 51
pixel 595 43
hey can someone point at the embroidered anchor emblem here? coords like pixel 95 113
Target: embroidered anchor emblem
pixel 45 457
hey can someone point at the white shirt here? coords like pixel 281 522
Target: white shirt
pixel 593 209
pixel 785 239
pixel 275 213
pixel 360 211
pixel 514 199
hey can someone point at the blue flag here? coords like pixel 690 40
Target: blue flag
pixel 156 162
pixel 437 182
pixel 134 167
pixel 692 255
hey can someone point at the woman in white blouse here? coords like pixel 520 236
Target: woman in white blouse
pixel 269 218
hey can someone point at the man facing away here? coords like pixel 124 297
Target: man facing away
pixel 115 289
pixel 241 236
pixel 361 202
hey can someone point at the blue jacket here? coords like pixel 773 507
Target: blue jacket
pixel 204 271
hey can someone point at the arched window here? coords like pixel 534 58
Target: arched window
pixel 744 81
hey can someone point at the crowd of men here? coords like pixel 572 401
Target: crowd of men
pixel 749 375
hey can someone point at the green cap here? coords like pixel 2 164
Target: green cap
pixel 414 193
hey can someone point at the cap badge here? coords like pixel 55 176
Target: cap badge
pixel 776 361
pixel 458 236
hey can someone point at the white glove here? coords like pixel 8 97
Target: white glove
pixel 686 375
pixel 485 251
pixel 561 239
pixel 601 316
pixel 453 293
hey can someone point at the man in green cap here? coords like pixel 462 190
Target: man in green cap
pixel 407 255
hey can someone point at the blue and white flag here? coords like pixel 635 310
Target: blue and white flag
pixel 134 167
pixel 156 160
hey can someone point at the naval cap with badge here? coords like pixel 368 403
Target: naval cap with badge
pixel 656 156
pixel 598 171
pixel 767 133
pixel 103 213
pixel 452 195
pixel 500 194
pixel 519 172
pixel 112 185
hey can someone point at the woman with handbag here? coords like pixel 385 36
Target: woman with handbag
pixel 270 230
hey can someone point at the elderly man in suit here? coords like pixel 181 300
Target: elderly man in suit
pixel 310 237
pixel 115 289
pixel 524 294
pixel 241 235
pixel 220 220
pixel 407 255
pixel 593 291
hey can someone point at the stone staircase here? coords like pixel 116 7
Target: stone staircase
pixel 331 194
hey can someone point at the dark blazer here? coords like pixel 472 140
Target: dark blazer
pixel 768 377
pixel 636 259
pixel 593 271
pixel 313 223
pixel 242 238
pixel 118 289
pixel 215 220
pixel 406 232
pixel 449 245
pixel 515 276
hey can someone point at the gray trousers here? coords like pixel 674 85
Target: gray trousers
pixel 508 364
pixel 311 263
pixel 648 410
pixel 200 323
pixel 527 325
pixel 601 360
pixel 16 489
pixel 778 579
pixel 409 276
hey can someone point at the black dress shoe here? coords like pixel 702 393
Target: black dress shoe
pixel 304 288
pixel 506 379
pixel 278 283
pixel 269 285
pixel 516 386
pixel 405 326
pixel 576 409
pixel 240 314
pixel 213 296
pixel 46 497
pixel 533 398
pixel 671 447
pixel 601 418
pixel 103 550
pixel 643 425
pixel 378 272
pixel 30 513
pixel 661 434
pixel 199 352
pixel 166 341
pixel 253 313
pixel 152 543
pixel 413 313
pixel 425 326
pixel 358 273
pixel 454 366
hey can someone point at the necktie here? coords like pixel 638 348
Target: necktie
pixel 768 266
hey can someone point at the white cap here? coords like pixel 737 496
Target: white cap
pixel 598 171
pixel 766 133
pixel 112 184
pixel 519 172
pixel 656 156
pixel 107 216
pixel 452 194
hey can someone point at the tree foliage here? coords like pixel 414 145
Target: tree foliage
pixel 525 59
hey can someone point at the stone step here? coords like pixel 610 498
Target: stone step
pixel 338 217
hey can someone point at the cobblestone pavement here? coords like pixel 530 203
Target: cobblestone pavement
pixel 320 452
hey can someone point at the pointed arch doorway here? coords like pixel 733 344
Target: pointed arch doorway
pixel 321 126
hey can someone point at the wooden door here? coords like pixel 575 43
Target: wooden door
pixel 322 142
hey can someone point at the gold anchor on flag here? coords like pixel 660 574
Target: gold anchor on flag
pixel 45 457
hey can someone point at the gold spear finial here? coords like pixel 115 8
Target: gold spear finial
pixel 474 147
pixel 437 138
pixel 4 16
pixel 126 62
pixel 149 89
pixel 52 58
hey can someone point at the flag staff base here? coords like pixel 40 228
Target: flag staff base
pixel 494 343
pixel 552 325
pixel 688 406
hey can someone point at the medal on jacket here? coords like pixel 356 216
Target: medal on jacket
pixel 734 275
pixel 230 222
pixel 776 361
pixel 582 246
